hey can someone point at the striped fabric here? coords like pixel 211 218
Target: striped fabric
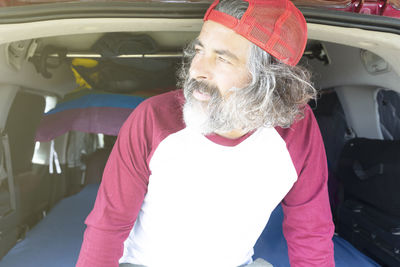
pixel 87 111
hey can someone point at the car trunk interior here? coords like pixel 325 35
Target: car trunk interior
pixel 354 63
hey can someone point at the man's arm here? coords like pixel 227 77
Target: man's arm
pixel 120 196
pixel 307 224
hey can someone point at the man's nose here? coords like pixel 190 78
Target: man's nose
pixel 201 68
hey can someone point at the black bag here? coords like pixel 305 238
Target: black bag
pixel 370 171
pixel 374 233
pixel 128 75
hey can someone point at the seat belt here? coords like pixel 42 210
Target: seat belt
pixel 6 148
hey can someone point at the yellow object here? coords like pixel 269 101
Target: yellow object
pixel 87 63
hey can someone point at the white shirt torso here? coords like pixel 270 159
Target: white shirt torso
pixel 208 199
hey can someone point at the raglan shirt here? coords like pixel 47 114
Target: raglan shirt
pixel 173 197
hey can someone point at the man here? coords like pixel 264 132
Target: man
pixel 195 175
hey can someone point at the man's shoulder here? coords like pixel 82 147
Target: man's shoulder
pixel 301 127
pixel 160 113
pixel 160 106
pixel 166 100
pixel 303 138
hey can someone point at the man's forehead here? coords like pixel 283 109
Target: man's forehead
pixel 224 52
pixel 219 38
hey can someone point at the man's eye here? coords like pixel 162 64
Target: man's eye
pixel 198 50
pixel 224 60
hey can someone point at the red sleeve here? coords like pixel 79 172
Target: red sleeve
pixel 125 180
pixel 307 224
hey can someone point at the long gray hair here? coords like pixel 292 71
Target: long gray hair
pixel 277 93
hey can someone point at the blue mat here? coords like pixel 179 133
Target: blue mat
pixel 272 247
pixel 57 239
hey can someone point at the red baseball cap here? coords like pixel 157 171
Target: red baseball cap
pixel 276 26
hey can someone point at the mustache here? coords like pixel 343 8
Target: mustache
pixel 202 87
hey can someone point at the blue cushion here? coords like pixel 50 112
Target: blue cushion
pixel 56 240
pixel 272 246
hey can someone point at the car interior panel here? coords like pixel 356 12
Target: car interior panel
pixel 389 119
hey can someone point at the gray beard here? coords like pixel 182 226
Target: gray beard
pixel 197 118
pixel 215 115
